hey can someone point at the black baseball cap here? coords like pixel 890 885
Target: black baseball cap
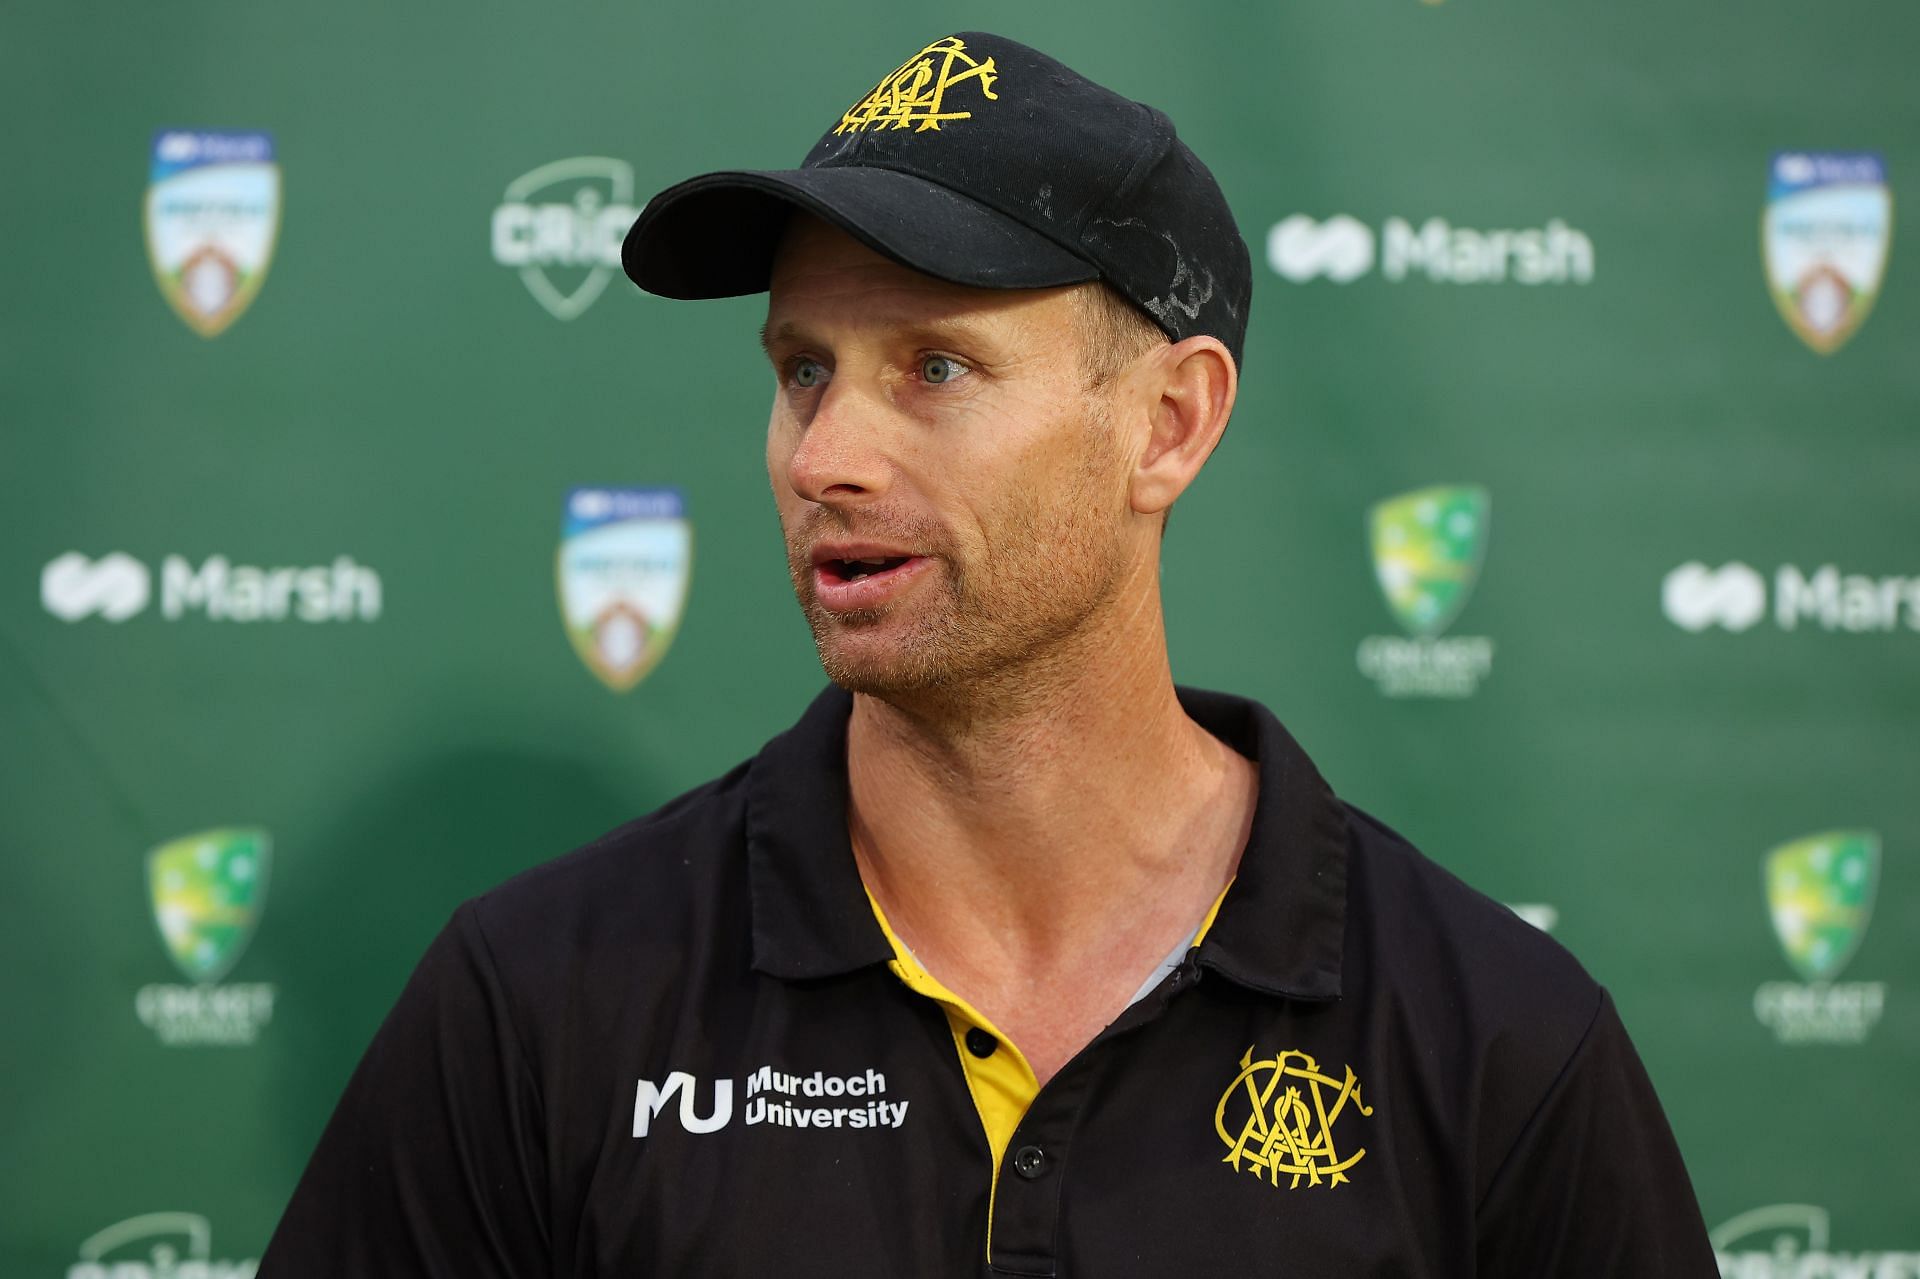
pixel 982 162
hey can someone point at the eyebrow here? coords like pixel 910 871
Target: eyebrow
pixel 769 334
pixel 960 327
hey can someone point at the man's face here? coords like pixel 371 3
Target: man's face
pixel 953 497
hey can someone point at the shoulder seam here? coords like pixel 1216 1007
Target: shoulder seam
pixel 1552 1089
pixel 523 1058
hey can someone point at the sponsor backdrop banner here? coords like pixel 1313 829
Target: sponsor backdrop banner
pixel 1567 518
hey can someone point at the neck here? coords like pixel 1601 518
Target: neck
pixel 1022 824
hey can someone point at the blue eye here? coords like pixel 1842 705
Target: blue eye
pixel 938 368
pixel 809 373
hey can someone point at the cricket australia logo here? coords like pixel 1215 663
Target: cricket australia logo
pixel 1820 895
pixel 1427 548
pixel 915 93
pixel 207 891
pixel 561 227
pixel 1277 1119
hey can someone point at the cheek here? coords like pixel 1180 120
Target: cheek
pixel 779 455
pixel 1045 495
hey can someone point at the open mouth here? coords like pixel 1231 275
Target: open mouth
pixel 857 570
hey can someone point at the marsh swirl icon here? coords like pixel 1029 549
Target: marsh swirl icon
pixel 1278 1115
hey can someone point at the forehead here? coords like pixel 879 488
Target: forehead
pixel 822 273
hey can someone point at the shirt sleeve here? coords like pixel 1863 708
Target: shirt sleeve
pixel 1594 1185
pixel 432 1165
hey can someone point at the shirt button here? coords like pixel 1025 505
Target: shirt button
pixel 980 1043
pixel 1030 1161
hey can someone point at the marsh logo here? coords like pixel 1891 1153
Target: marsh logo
pixel 561 226
pixel 1819 892
pixel 114 587
pixel 1342 248
pixel 1695 597
pixel 212 218
pixel 1339 249
pixel 117 586
pixel 1794 1241
pixel 1825 236
pixel 1427 549
pixel 1733 597
pixel 782 1100
pixel 157 1245
pixel 1540 914
pixel 625 559
pixel 207 891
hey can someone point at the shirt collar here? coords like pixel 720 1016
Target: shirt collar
pixel 1279 931
pixel 1283 924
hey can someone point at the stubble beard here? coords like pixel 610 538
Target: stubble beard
pixel 985 623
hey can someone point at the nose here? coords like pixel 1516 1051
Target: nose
pixel 840 457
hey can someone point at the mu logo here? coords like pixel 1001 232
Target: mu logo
pixel 1277 1119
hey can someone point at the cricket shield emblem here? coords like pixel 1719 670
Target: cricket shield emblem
pixel 1819 896
pixel 212 220
pixel 1825 236
pixel 1427 548
pixel 625 558
pixel 208 890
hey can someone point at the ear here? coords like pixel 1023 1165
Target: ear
pixel 1192 387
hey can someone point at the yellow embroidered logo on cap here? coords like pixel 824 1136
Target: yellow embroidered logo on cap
pixel 1283 1110
pixel 916 92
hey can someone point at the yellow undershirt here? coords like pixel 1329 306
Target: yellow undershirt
pixel 1002 1084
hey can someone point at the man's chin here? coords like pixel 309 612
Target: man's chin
pixel 888 686
pixel 870 651
pixel 883 669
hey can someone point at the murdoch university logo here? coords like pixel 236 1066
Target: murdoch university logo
pixel 782 1100
pixel 1342 248
pixel 625 558
pixel 915 92
pixel 1733 597
pixel 1427 549
pixel 157 1245
pixel 561 227
pixel 207 891
pixel 1819 895
pixel 1825 235
pixel 1794 1241
pixel 212 216
pixel 1278 1119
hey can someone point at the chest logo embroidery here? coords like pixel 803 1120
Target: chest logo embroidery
pixel 1277 1119
pixel 915 93
pixel 781 1100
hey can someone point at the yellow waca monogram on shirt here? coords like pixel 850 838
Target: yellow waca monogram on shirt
pixel 1278 1119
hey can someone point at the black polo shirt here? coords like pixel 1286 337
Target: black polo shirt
pixel 691 1048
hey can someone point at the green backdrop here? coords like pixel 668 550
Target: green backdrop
pixel 1656 631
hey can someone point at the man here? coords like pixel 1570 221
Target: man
pixel 1010 957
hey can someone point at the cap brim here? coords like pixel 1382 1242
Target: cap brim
pixel 715 236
